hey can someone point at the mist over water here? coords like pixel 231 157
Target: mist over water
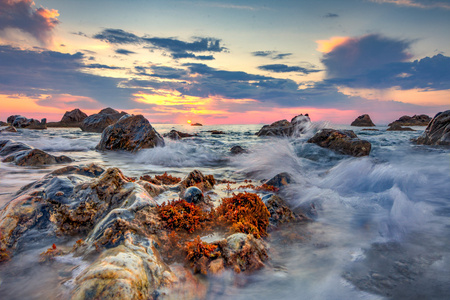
pixel 381 225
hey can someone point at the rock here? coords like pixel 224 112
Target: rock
pixel 9 129
pixel 19 121
pixel 437 131
pixel 416 120
pixel 280 212
pixel 9 146
pixel 98 122
pixel 36 157
pixel 363 121
pixel 72 118
pixel 216 132
pixel 235 150
pixel 130 133
pixel 297 126
pixel 370 129
pixel 397 127
pixel 196 124
pixel 3 123
pixel 176 135
pixel 280 180
pixel 193 195
pixel 196 178
pixel 11 119
pixel 342 141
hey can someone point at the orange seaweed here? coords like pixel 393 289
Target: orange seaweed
pixel 198 254
pixel 181 215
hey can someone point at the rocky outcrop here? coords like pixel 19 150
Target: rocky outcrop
pixel 342 141
pixel 216 131
pixel 177 135
pixel 280 180
pixel 363 121
pixel 9 129
pixel 235 150
pixel 280 212
pixel 11 119
pixel 130 133
pixel 397 127
pixel 19 121
pixel 196 178
pixel 72 118
pixel 3 123
pixel 437 131
pixel 295 127
pixel 416 120
pixel 98 122
pixel 196 124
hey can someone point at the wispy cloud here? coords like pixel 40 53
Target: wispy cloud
pixel 282 68
pixel 426 4
pixel 331 15
pixel 271 54
pixel 124 51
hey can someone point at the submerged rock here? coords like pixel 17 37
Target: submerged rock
pixel 416 120
pixel 280 180
pixel 235 150
pixel 36 157
pixel 342 141
pixel 98 122
pixel 397 127
pixel 130 133
pixel 280 213
pixel 177 135
pixel 437 131
pixel 9 129
pixel 297 126
pixel 363 121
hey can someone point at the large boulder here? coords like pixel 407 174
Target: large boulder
pixel 342 141
pixel 19 121
pixel 416 120
pixel 177 135
pixel 71 118
pixel 363 121
pixel 296 126
pixel 98 122
pixel 130 133
pixel 9 129
pixel 11 119
pixel 437 131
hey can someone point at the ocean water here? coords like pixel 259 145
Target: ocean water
pixel 381 226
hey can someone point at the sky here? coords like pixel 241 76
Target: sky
pixel 225 62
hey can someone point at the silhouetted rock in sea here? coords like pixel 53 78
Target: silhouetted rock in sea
pixel 3 123
pixel 130 133
pixel 196 124
pixel 177 135
pixel 235 150
pixel 23 155
pixel 72 118
pixel 19 121
pixel 363 121
pixel 437 131
pixel 297 126
pixel 98 122
pixel 416 120
pixel 397 127
pixel 342 141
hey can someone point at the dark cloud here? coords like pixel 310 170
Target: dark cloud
pixel 331 15
pixel 178 46
pixel 178 55
pixel 282 68
pixel 162 72
pixel 22 14
pixel 360 55
pixel 118 36
pixel 124 51
pixel 100 66
pixel 271 54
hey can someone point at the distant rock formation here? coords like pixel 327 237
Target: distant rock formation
pixel 19 121
pixel 196 124
pixel 176 135
pixel 397 127
pixel 416 120
pixel 363 121
pixel 3 123
pixel 437 131
pixel 72 118
pixel 297 126
pixel 130 133
pixel 98 122
pixel 342 141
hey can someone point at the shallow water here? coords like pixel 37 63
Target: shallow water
pixel 382 228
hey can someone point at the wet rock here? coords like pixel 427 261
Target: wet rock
pixel 280 213
pixel 216 132
pixel 72 118
pixel 437 131
pixel 235 150
pixel 342 141
pixel 3 123
pixel 416 120
pixel 153 189
pixel 19 121
pixel 196 124
pixel 9 129
pixel 130 133
pixel 11 119
pixel 280 180
pixel 98 122
pixel 196 178
pixel 36 157
pixel 397 127
pixel 297 126
pixel 193 195
pixel 8 147
pixel 177 135
pixel 363 121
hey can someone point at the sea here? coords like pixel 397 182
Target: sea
pixel 380 228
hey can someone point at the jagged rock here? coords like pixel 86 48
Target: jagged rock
pixel 176 135
pixel 397 127
pixel 235 150
pixel 98 122
pixel 297 126
pixel 280 180
pixel 72 118
pixel 11 119
pixel 196 178
pixel 36 157
pixel 19 121
pixel 280 212
pixel 342 141
pixel 9 129
pixel 437 131
pixel 193 195
pixel 416 120
pixel 363 121
pixel 3 123
pixel 130 133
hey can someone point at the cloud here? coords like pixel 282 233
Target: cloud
pixel 117 36
pixel 162 72
pixel 22 14
pixel 426 4
pixel 282 68
pixel 100 66
pixel 331 15
pixel 178 55
pixel 271 54
pixel 124 51
pixel 354 56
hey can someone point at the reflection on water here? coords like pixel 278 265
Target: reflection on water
pixel 382 228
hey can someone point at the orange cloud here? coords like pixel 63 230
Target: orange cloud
pixel 326 46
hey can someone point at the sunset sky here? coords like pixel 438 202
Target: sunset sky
pixel 225 62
